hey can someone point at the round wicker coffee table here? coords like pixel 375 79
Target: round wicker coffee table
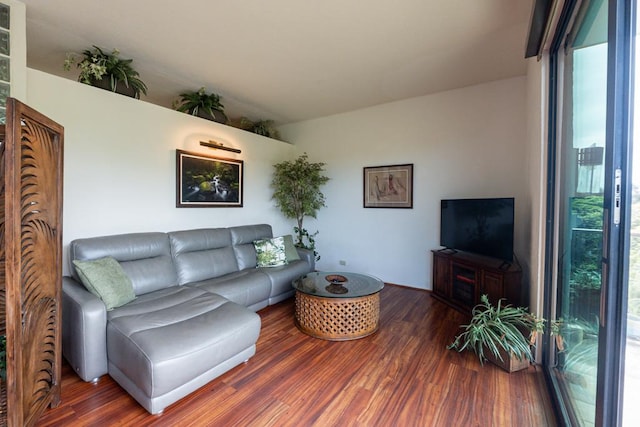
pixel 337 306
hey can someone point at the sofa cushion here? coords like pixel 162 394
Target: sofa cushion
pixel 165 339
pixel 290 248
pixel 105 279
pixel 270 252
pixel 249 288
pixel 242 238
pixel 282 277
pixel 202 254
pixel 144 257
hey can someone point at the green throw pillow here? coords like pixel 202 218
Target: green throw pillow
pixel 105 278
pixel 290 249
pixel 270 252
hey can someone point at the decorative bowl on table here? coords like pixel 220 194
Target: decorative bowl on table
pixel 336 284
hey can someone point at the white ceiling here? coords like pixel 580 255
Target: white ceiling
pixel 290 60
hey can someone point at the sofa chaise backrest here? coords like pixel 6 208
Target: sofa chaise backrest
pixel 242 239
pixel 145 257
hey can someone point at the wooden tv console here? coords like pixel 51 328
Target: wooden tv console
pixel 460 278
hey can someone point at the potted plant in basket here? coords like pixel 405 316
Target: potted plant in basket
pixel 297 193
pixel 497 333
pixel 107 71
pixel 201 104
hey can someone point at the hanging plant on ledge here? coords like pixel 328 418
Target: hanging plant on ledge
pixel 107 71
pixel 201 104
pixel 261 127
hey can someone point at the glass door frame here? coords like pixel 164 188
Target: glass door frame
pixel 555 120
pixel 613 309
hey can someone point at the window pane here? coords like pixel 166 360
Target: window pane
pixel 580 175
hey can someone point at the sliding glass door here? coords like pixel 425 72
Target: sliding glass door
pixel 593 246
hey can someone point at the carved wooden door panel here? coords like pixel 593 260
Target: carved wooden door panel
pixel 32 242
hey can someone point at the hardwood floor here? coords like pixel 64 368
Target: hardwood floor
pixel 403 375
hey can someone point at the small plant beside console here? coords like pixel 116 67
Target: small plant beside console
pixel 500 333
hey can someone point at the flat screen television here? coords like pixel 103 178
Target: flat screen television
pixel 481 226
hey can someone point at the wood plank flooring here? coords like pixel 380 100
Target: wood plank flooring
pixel 403 375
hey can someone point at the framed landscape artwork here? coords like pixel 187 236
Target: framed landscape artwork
pixel 206 181
pixel 388 186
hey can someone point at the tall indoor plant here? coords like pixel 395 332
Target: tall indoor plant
pixel 201 104
pixel 296 186
pixel 107 71
pixel 497 333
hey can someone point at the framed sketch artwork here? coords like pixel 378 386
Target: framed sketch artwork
pixel 206 181
pixel 388 186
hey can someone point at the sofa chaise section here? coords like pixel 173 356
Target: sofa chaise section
pixel 167 344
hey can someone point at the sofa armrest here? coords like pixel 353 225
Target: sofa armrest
pixel 307 255
pixel 84 330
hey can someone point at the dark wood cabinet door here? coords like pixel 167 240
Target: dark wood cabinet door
pixel 441 276
pixel 493 286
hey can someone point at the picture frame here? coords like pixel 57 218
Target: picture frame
pixel 206 181
pixel 388 186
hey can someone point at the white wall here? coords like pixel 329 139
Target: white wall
pixel 470 142
pixel 18 47
pixel 120 156
pixel 120 169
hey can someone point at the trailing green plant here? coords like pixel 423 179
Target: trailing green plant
pixel 493 328
pixel 296 186
pixel 310 238
pixel 200 102
pixel 98 65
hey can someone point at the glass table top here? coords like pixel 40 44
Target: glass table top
pixel 330 284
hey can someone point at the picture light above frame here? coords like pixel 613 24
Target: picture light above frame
pixel 219 146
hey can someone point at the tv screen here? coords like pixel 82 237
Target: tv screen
pixel 481 226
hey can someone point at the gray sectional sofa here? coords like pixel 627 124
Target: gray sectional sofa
pixel 193 316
